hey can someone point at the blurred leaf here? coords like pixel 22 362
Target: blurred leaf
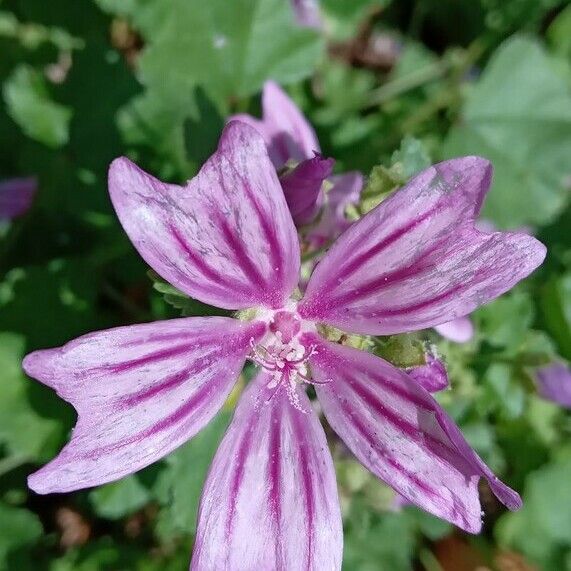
pixel 18 528
pixel 343 18
pixel 118 499
pixel 411 157
pixel 559 33
pixel 556 308
pixel 519 116
pixel 30 106
pixel 235 47
pixel 23 432
pixel 546 512
pixel 370 541
pixel 505 321
pixel 179 486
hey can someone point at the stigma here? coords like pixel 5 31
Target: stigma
pixel 283 356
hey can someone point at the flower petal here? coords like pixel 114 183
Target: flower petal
pixel 345 191
pixel 270 500
pixel 416 260
pixel 16 196
pixel 287 133
pixel 400 433
pixel 459 330
pixel 432 376
pixel 226 237
pixel 554 383
pixel 139 391
pixel 302 187
pixel 307 13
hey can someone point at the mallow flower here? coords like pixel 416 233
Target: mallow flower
pixel 16 196
pixel 227 238
pixel 554 383
pixel 307 13
pixel 292 142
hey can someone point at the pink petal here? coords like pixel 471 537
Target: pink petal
pixel 459 330
pixel 554 383
pixel 139 391
pixel 302 187
pixel 226 237
pixel 399 432
pixel 346 190
pixel 307 13
pixel 432 376
pixel 270 500
pixel 16 196
pixel 287 133
pixel 416 260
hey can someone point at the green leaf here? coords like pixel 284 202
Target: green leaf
pixel 411 157
pixel 31 107
pixel 188 306
pixel 556 308
pixel 23 432
pixel 546 510
pixel 179 486
pixel 505 322
pixel 519 116
pixel 18 528
pixel 229 49
pixel 235 47
pixel 116 500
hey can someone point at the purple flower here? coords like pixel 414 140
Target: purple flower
pixel 307 13
pixel 432 375
pixel 460 330
pixel 290 138
pixel 554 383
pixel 227 238
pixel 16 196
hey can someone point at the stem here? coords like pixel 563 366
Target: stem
pixel 408 82
pixel 429 561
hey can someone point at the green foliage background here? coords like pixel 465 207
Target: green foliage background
pixel 390 85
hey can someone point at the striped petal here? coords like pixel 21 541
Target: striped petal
pixel 226 237
pixel 345 191
pixel 459 330
pixel 416 260
pixel 16 196
pixel 399 432
pixel 302 188
pixel 139 391
pixel 287 133
pixel 270 500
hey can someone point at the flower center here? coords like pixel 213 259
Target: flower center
pixel 283 356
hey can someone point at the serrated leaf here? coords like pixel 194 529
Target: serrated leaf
pixel 31 107
pixel 556 309
pixel 519 116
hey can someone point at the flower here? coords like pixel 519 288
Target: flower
pixel 16 197
pixel 307 13
pixel 459 330
pixel 432 375
pixel 291 139
pixel 554 383
pixel 227 238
